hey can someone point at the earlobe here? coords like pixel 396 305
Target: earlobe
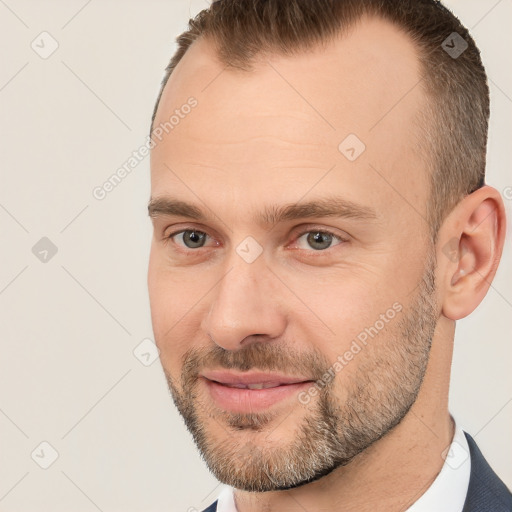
pixel 472 245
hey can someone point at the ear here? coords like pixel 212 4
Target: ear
pixel 469 248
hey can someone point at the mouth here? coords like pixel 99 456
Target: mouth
pixel 251 392
pixel 258 385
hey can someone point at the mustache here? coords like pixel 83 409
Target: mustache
pixel 262 356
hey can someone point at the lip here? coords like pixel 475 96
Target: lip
pixel 251 400
pixel 231 378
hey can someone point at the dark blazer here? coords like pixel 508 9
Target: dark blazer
pixel 486 492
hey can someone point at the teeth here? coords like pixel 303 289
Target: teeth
pixel 253 386
pixel 259 386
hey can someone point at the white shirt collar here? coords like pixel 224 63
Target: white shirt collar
pixel 226 500
pixel 447 492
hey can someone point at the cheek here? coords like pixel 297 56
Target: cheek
pixel 167 305
pixel 345 317
pixel 178 307
pixel 158 300
pixel 168 293
pixel 344 303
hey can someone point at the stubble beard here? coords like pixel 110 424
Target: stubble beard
pixel 330 432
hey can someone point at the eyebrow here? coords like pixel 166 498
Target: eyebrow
pixel 331 206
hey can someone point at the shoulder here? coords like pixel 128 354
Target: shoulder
pixel 486 491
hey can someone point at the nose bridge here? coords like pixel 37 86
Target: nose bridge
pixel 243 303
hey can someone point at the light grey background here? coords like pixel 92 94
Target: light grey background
pixel 68 375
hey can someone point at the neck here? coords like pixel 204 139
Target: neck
pixel 392 473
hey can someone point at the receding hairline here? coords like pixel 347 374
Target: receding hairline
pixel 211 50
pixel 454 121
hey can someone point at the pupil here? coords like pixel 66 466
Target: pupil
pixel 316 238
pixel 195 238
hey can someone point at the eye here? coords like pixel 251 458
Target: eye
pixel 316 239
pixel 319 240
pixel 190 238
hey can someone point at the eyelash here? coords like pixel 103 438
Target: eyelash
pixel 169 237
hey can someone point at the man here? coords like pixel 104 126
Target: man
pixel 320 223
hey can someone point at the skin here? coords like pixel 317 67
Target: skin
pixel 271 136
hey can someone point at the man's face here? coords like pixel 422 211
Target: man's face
pixel 346 298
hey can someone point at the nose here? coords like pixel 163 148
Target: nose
pixel 245 307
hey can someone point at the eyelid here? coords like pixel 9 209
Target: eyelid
pixel 319 229
pixel 304 230
pixel 167 238
pixel 325 231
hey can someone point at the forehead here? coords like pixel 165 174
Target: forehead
pixel 284 124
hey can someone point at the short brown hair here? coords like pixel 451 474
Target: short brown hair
pixel 456 113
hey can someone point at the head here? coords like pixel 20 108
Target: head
pixel 302 211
